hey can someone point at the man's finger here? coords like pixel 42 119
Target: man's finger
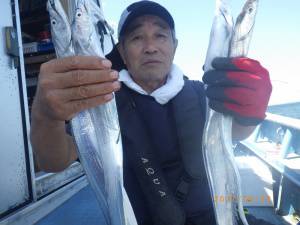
pixel 233 78
pixel 76 63
pixel 83 77
pixel 80 105
pixel 88 91
pixel 239 64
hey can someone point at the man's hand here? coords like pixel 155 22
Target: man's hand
pixel 69 85
pixel 66 86
pixel 240 87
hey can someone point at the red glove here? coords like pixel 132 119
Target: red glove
pixel 240 87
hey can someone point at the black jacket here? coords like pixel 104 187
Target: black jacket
pixel 167 203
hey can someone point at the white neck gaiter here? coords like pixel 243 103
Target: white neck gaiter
pixel 165 93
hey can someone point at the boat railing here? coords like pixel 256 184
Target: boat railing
pixel 277 142
pixel 284 121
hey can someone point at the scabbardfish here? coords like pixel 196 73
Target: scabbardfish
pixel 96 131
pixel 227 39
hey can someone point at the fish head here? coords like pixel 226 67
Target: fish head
pixel 243 29
pixel 85 39
pixel 60 27
pixel 96 11
pixel 58 19
pixel 247 16
pixel 223 9
pixel 82 22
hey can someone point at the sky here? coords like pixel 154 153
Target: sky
pixel 275 41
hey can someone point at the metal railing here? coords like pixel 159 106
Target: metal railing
pixel 283 120
pixel 274 140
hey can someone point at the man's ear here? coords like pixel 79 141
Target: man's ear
pixel 175 44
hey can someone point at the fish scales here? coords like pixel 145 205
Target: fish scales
pixel 226 39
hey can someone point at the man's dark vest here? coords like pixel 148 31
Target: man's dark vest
pixel 189 115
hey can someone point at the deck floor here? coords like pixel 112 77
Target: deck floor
pixel 256 181
pixel 268 214
pixel 82 209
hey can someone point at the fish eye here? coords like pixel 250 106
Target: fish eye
pixel 53 22
pixel 79 14
pixel 250 10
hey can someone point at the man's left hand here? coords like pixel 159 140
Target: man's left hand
pixel 239 86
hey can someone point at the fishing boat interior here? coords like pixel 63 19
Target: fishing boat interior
pixel 268 161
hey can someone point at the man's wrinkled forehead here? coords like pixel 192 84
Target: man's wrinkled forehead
pixel 142 20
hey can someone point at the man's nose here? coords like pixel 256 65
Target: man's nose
pixel 150 46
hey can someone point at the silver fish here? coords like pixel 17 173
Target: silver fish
pixel 96 131
pixel 60 28
pixel 226 39
pixel 243 30
pixel 85 38
pixel 105 123
pixel 103 29
pixel 86 138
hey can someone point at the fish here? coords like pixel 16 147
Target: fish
pixel 96 131
pixel 103 29
pixel 85 139
pixel 105 121
pixel 85 37
pixel 60 27
pixel 243 29
pixel 227 39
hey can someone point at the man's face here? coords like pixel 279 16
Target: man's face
pixel 148 49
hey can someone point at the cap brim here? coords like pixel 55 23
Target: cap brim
pixel 148 8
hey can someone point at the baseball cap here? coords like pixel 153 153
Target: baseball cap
pixel 140 8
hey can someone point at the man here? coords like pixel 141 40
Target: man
pixel 161 114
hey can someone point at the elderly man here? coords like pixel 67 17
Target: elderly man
pixel 161 113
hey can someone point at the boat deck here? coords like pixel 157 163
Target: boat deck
pixel 257 187
pixel 82 209
pixel 268 214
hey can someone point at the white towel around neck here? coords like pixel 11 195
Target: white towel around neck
pixel 163 94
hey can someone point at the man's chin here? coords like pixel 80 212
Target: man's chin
pixel 154 78
pixel 154 71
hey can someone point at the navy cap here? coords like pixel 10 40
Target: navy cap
pixel 141 8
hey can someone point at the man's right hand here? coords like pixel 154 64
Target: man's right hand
pixel 66 86
pixel 70 85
